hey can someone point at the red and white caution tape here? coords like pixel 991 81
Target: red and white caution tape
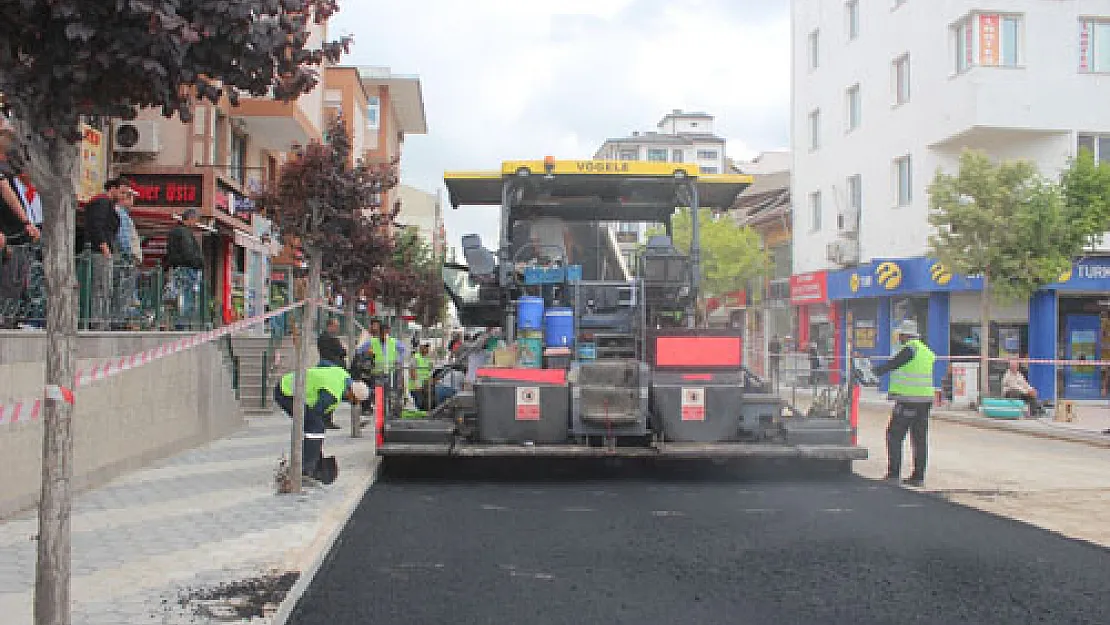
pixel 27 410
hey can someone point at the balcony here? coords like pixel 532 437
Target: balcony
pixel 1004 101
pixel 275 125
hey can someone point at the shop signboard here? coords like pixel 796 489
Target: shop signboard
pixel 92 169
pixel 168 190
pixel 809 288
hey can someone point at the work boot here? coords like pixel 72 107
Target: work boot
pixel 915 481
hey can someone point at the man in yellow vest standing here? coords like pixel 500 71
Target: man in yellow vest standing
pixel 419 376
pixel 385 352
pixel 911 388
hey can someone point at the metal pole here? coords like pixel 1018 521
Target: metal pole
pixel 695 246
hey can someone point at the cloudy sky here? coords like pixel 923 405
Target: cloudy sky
pixel 506 79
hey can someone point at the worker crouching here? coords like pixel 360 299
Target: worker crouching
pixel 324 387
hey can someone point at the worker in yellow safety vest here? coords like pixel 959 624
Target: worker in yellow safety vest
pixel 911 388
pixel 325 387
pixel 382 346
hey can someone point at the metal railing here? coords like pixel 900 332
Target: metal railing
pixel 114 294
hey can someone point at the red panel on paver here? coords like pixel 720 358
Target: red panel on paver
pixel 544 376
pixel 692 351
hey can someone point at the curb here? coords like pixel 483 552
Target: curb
pixel 293 597
pixel 1093 440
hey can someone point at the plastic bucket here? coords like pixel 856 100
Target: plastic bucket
pixel 529 313
pixel 559 327
pixel 529 352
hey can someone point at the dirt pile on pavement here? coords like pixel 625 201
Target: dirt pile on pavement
pixel 245 599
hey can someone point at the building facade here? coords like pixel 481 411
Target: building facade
pixel 423 211
pixel 680 137
pixel 885 94
pixel 766 208
pixel 215 162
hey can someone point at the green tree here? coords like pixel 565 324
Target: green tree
pixel 731 255
pixel 1014 227
pixel 65 60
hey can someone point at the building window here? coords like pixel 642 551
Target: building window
pixel 988 40
pixel 849 219
pixel 815 210
pixel 851 18
pixel 1097 145
pixel 1094 45
pixel 657 155
pixel 710 170
pixel 628 155
pixel 903 180
pixel 708 155
pixel 237 163
pixel 676 156
pixel 898 3
pixel 815 129
pixel 814 49
pixel 964 40
pixel 854 107
pixel 373 113
pixel 901 76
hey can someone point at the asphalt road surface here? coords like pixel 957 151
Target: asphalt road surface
pixel 711 545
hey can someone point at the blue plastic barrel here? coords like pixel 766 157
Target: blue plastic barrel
pixel 529 313
pixel 559 327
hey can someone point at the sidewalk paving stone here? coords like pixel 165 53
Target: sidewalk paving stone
pixel 192 525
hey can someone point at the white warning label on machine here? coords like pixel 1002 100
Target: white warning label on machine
pixel 528 403
pixel 693 404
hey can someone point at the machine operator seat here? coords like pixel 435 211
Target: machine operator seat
pixel 665 271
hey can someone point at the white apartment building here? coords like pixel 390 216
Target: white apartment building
pixel 680 137
pixel 887 91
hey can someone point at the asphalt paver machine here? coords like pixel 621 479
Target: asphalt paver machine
pixel 602 352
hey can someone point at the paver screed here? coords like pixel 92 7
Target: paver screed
pixel 199 537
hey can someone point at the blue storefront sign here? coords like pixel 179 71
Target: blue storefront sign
pixel 902 276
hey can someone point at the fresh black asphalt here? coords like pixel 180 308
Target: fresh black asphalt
pixel 497 545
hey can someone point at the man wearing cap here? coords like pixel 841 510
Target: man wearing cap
pixel 911 388
pixel 324 387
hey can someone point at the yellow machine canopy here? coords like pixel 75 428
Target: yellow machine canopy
pixel 593 190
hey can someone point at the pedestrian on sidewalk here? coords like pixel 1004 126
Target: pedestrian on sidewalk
pixel 332 354
pixel 1015 386
pixel 324 388
pixel 911 388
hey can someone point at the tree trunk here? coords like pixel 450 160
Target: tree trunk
pixel 308 326
pixel 352 343
pixel 53 167
pixel 984 338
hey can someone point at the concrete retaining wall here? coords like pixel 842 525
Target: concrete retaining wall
pixel 121 423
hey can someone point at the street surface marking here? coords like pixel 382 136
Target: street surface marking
pixel 489 506
pixel 663 513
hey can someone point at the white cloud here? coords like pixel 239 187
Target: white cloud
pixel 505 79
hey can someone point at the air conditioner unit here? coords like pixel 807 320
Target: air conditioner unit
pixel 136 136
pixel 849 225
pixel 832 252
pixel 848 253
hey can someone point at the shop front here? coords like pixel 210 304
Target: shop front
pixel 818 319
pixel 879 296
pixel 1067 320
pixel 235 241
pixel 1080 329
